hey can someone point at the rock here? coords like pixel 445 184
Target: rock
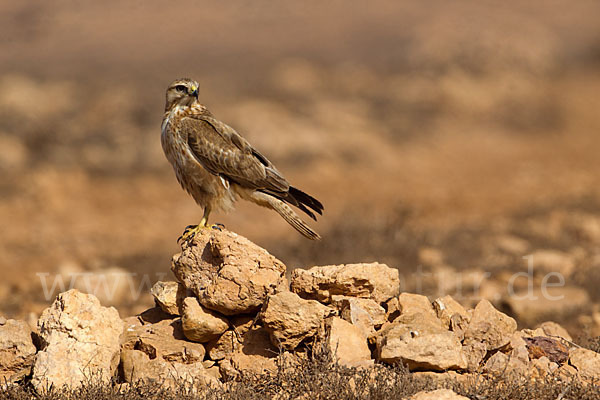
pixel 543 366
pixel 474 354
pixel 201 325
pixel 586 361
pixel 532 306
pixel 547 261
pixel 421 344
pixel 80 342
pixel 169 296
pixel 439 394
pixel 371 281
pixel 137 367
pixel 499 364
pixel 164 340
pixel 228 273
pixel 541 346
pixel 256 354
pixel 290 319
pixel 553 329
pixel 365 314
pixel 446 308
pixel 347 343
pixel 489 326
pixel 229 341
pixel 17 351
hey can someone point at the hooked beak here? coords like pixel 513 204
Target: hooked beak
pixel 194 91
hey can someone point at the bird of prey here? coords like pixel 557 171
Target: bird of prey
pixel 217 166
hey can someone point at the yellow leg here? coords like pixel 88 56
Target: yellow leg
pixel 191 230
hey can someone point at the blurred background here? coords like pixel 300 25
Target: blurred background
pixel 447 139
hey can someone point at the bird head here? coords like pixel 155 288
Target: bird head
pixel 182 92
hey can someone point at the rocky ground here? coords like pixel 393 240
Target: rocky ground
pixel 231 316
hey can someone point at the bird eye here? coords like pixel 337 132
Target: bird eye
pixel 181 88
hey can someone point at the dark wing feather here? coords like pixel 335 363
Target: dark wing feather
pixel 222 151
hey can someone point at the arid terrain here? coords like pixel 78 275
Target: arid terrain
pixel 448 140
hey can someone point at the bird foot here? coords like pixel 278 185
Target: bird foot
pixel 191 230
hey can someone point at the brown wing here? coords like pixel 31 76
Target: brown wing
pixel 223 152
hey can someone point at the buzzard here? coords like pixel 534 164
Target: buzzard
pixel 217 166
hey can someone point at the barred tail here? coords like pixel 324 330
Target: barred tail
pixel 286 212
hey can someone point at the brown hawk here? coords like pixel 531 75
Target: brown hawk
pixel 216 166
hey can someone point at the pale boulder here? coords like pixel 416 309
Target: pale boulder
pixel 587 362
pixel 17 351
pixel 371 281
pixel 228 273
pixel 290 319
pixel 199 324
pixel 164 340
pixel 138 367
pixel 80 342
pixel 347 343
pixel 489 326
pixel 421 344
pixel 169 296
pixel 366 314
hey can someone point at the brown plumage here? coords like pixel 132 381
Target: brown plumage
pixel 216 166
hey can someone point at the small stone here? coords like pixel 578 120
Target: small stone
pixel 553 329
pixel 371 281
pixel 446 307
pixel 365 314
pixel 17 351
pixel 587 362
pixel 541 346
pixel 489 326
pixel 169 296
pixel 347 343
pixel 421 345
pixel 290 319
pixel 199 324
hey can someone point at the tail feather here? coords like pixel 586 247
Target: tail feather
pixel 286 213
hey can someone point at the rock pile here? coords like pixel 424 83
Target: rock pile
pixel 232 312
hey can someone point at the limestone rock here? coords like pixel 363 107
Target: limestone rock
pixel 17 351
pixel 489 326
pixel 422 345
pixel 555 330
pixel 228 273
pixel 474 354
pixel 169 296
pixel 446 308
pixel 256 354
pixel 229 341
pixel 165 340
pixel 201 325
pixel 136 367
pixel 501 364
pixel 80 342
pixel 372 281
pixel 439 394
pixel 290 319
pixel 347 343
pixel 587 362
pixel 365 314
